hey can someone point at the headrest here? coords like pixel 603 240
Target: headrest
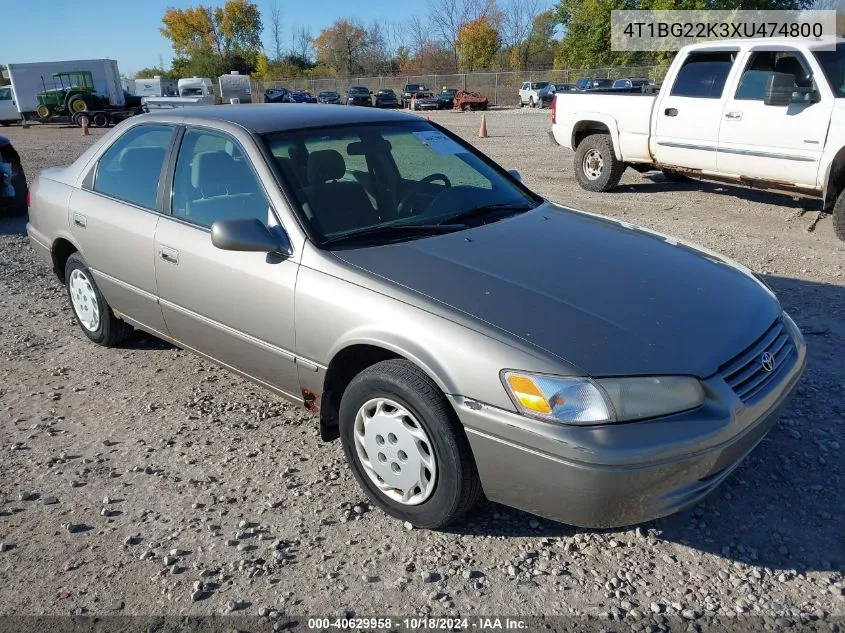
pixel 211 167
pixel 325 165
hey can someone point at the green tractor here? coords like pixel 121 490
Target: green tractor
pixel 73 93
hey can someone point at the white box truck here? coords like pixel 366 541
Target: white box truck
pixel 31 78
pixel 235 86
pixel 155 87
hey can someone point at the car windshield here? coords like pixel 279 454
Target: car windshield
pixel 360 185
pixel 413 87
pixel 833 65
pixel 385 93
pixel 449 92
pixel 356 90
pixel 328 94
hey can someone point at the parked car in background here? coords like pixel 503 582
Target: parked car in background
pixel 529 92
pixel 277 95
pixel 632 83
pixel 761 112
pixel 359 96
pixel 407 290
pixel 547 94
pixel 328 96
pixel 8 106
pixel 14 193
pixel 302 96
pixel 408 92
pixel 424 101
pixel 446 98
pixel 386 98
pixel 591 83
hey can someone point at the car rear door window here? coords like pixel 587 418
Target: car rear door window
pixel 130 169
pixel 761 65
pixel 703 75
pixel 214 180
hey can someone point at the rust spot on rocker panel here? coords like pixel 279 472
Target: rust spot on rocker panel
pixel 310 400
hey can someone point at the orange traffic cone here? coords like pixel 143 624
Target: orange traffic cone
pixel 482 131
pixel 84 121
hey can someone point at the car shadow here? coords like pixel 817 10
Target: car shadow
pixel 783 508
pixel 13 225
pixel 657 183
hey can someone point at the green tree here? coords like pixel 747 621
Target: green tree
pixel 208 41
pixel 152 71
pixel 478 42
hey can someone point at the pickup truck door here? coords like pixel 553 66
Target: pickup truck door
pixel 686 117
pixel 775 143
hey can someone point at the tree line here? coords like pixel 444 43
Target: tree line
pixel 450 36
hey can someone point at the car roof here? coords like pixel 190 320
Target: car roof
pixel 262 118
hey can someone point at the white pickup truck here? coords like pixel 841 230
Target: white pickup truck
pixel 764 113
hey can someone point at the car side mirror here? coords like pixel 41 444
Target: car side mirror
pixel 515 174
pixel 249 235
pixel 779 89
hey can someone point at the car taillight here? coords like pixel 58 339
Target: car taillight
pixel 28 199
pixel 554 103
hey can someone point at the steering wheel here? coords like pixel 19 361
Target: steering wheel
pixel 407 206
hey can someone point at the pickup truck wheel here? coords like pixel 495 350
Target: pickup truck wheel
pixel 838 217
pixel 93 314
pixel 596 166
pixel 405 446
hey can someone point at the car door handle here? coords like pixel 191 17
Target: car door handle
pixel 80 220
pixel 671 112
pixel 170 255
pixel 733 115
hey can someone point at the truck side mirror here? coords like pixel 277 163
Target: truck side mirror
pixel 779 89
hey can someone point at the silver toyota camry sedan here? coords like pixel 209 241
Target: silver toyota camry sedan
pixel 461 335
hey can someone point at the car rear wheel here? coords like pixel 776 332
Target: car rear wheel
pixel 406 447
pixel 531 103
pixel 91 310
pixel 596 166
pixel 838 217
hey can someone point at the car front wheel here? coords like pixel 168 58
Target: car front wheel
pixel 406 447
pixel 838 217
pixel 93 314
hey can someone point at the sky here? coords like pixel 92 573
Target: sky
pixel 128 31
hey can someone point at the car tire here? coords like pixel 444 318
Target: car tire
pixel 838 216
pixel 424 423
pixel 675 176
pixel 521 104
pixel 102 327
pixel 596 166
pixel 531 103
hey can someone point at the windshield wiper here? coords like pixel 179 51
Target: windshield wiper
pixel 484 210
pixel 396 230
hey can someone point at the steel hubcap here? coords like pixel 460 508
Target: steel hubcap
pixel 84 300
pixel 593 164
pixel 395 451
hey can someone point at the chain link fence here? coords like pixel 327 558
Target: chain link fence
pixel 501 88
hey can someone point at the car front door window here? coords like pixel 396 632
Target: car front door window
pixel 215 181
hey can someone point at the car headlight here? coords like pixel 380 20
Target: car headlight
pixel 580 401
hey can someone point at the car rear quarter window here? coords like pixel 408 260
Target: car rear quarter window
pixel 131 168
pixel 703 75
pixel 214 180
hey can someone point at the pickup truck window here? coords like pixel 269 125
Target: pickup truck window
pixel 833 65
pixel 760 66
pixel 703 75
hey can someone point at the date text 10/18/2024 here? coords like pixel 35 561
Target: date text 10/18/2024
pixel 417 623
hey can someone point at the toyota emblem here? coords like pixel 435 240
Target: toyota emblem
pixel 768 361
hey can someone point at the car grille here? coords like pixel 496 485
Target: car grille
pixel 745 373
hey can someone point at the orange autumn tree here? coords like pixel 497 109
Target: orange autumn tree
pixel 478 42
pixel 214 39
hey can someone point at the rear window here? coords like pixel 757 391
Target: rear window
pixel 703 75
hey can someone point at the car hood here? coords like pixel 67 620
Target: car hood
pixel 606 297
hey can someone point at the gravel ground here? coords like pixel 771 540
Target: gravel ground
pixel 142 480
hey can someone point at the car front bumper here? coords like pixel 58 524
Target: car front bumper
pixel 427 106
pixel 619 474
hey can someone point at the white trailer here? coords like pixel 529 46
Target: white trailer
pixel 31 78
pixel 235 86
pixel 155 87
pixel 193 91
